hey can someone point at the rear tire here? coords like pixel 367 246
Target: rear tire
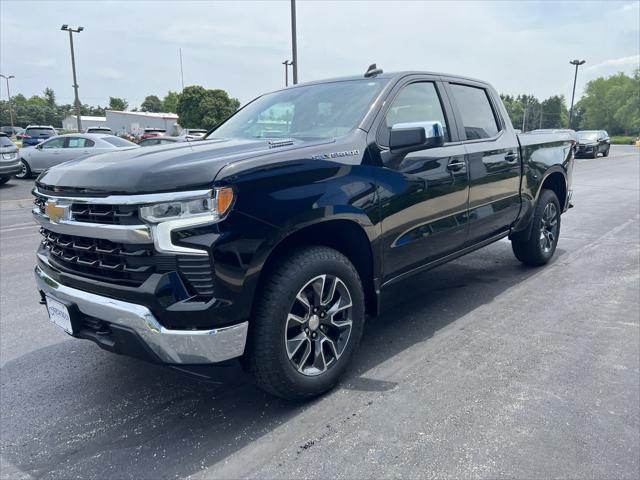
pixel 541 245
pixel 606 152
pixel 4 180
pixel 26 170
pixel 308 321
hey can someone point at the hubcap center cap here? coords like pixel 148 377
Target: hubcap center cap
pixel 314 323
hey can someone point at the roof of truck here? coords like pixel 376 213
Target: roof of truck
pixel 388 76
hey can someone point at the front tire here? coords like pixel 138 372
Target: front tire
pixel 308 322
pixel 606 152
pixel 4 180
pixel 25 172
pixel 541 245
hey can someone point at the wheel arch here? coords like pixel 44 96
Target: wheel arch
pixel 344 235
pixel 555 181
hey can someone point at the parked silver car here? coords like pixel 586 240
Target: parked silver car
pixel 9 163
pixel 63 148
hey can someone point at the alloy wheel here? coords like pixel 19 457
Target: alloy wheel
pixel 318 325
pixel 24 171
pixel 549 227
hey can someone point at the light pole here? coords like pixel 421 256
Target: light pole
pixel 7 78
pixel 286 64
pixel 294 43
pixel 71 31
pixel 577 63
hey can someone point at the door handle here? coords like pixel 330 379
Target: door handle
pixel 511 157
pixel 455 165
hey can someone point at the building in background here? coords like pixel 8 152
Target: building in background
pixel 134 123
pixel 69 122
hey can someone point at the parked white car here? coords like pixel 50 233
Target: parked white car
pixel 63 148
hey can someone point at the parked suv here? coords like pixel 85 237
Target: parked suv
pixel 273 247
pixel 9 160
pixel 593 142
pixel 34 134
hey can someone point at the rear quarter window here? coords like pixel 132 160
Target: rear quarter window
pixel 118 142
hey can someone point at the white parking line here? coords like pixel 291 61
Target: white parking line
pixel 11 229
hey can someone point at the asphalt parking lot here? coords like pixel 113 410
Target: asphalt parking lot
pixel 481 368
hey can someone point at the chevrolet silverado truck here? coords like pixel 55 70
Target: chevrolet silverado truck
pixel 273 238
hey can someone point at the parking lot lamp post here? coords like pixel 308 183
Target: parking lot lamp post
pixel 286 64
pixel 294 43
pixel 71 31
pixel 7 78
pixel 577 63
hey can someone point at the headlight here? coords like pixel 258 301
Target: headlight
pixel 211 208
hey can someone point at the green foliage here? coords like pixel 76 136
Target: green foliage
pixel 622 140
pixel 199 107
pixel 528 113
pixel 170 102
pixel 116 103
pixel 151 104
pixel 611 104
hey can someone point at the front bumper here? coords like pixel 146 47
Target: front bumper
pixel 134 321
pixel 8 169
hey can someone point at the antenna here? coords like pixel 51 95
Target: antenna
pixel 372 71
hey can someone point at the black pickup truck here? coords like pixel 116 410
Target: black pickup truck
pixel 273 238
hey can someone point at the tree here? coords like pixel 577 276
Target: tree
pixel 151 104
pixel 199 107
pixel 116 103
pixel 170 102
pixel 554 112
pixel 611 104
pixel 50 97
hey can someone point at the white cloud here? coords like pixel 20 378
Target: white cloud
pixel 633 60
pixel 110 73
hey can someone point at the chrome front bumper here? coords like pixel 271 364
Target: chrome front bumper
pixel 185 347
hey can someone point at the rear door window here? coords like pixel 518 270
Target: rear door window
pixel 478 118
pixel 78 142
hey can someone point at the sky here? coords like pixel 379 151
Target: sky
pixel 131 49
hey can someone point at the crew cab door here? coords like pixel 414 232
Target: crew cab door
pixel 493 158
pixel 423 194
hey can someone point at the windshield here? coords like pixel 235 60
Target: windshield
pixel 119 142
pixel 323 110
pixel 588 135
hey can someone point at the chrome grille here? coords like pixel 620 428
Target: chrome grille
pixel 98 258
pixel 107 214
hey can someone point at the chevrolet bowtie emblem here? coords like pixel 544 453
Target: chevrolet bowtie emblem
pixel 55 212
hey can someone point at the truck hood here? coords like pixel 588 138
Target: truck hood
pixel 180 166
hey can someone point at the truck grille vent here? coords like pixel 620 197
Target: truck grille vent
pixel 100 259
pixel 197 273
pixel 108 214
pixel 98 213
